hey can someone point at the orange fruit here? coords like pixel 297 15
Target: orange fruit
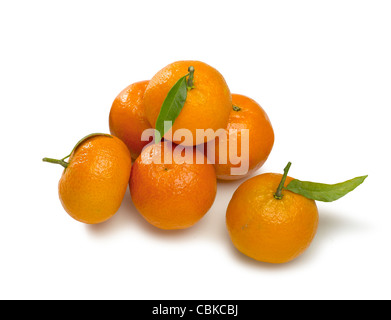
pixel 127 119
pixel 267 229
pixel 172 196
pixel 94 183
pixel 245 114
pixel 207 105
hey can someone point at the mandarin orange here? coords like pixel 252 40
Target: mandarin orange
pixel 270 228
pixel 127 119
pixel 245 114
pixel 95 179
pixel 207 105
pixel 169 190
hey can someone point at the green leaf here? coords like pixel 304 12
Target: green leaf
pixel 172 105
pixel 324 192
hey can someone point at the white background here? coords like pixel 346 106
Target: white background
pixel 320 69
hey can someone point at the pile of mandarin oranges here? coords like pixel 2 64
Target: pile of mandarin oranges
pixel 171 193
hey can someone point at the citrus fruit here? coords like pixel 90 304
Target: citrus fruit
pixel 172 195
pixel 95 179
pixel 270 228
pixel 127 119
pixel 207 105
pixel 245 114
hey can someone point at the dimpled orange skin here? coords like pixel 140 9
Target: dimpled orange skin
pixel 93 185
pixel 127 119
pixel 171 196
pixel 207 105
pixel 251 116
pixel 267 229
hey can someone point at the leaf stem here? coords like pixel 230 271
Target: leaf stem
pixel 190 80
pixel 278 194
pixel 64 163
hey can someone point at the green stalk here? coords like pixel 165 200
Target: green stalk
pixel 66 164
pixel 190 80
pixel 278 194
pixel 57 161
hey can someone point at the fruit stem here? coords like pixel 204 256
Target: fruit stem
pixel 278 195
pixel 190 80
pixel 57 161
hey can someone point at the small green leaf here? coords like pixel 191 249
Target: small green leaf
pixel 172 105
pixel 324 192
